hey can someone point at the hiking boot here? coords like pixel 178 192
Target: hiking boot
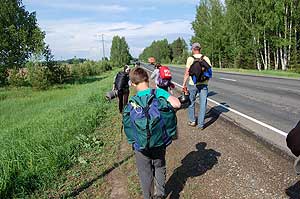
pixel 192 124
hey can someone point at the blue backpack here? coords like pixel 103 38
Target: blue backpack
pixel 149 122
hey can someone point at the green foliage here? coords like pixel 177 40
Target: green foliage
pixel 36 148
pixel 164 52
pixel 20 35
pixel 42 75
pixel 38 77
pixel 249 34
pixel 178 48
pixel 18 78
pixel 119 52
pixel 159 49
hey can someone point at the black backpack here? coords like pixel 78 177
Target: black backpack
pixel 121 81
pixel 293 140
pixel 199 70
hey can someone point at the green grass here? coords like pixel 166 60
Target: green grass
pixel 42 131
pixel 270 73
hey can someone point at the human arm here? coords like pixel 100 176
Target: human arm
pixel 189 62
pixel 154 74
pixel 174 101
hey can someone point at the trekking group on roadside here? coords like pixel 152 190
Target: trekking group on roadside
pixel 149 118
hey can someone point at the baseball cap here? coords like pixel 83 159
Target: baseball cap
pixel 196 45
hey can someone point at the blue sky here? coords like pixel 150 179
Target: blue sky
pixel 73 29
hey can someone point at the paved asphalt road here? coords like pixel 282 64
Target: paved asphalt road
pixel 273 101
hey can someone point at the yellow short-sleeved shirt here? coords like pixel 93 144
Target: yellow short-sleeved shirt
pixel 190 61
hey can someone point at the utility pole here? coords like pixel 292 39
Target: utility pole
pixel 103 48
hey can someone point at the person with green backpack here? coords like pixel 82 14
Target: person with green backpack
pixel 149 121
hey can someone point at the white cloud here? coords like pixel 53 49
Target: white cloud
pixel 84 7
pixel 81 38
pixel 77 6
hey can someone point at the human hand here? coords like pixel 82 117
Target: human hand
pixel 184 89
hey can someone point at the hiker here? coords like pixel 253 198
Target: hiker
pixel 151 61
pixel 149 124
pixel 121 84
pixel 196 77
pixel 162 77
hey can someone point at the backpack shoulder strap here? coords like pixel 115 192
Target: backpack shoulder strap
pixel 196 59
pixel 153 92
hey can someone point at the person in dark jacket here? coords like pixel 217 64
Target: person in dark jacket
pixel 121 84
pixel 293 142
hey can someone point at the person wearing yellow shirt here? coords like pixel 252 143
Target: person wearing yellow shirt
pixel 194 89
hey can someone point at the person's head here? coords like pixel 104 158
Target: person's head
pixel 196 48
pixel 126 69
pixel 139 76
pixel 158 65
pixel 151 60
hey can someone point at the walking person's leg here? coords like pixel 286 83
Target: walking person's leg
pixel 203 91
pixel 125 96
pixel 145 172
pixel 191 109
pixel 160 172
pixel 120 96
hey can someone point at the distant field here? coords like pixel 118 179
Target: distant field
pixel 271 73
pixel 41 131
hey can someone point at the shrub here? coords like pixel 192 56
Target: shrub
pixel 18 78
pixel 38 77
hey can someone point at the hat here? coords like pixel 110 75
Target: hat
pixel 196 45
pixel 297 165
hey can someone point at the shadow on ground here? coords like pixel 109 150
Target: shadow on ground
pixel 214 113
pixel 293 191
pixel 87 184
pixel 194 164
pixel 211 93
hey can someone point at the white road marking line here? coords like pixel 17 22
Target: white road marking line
pixel 242 114
pixel 232 80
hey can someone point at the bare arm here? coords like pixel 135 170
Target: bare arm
pixel 153 75
pixel 174 101
pixel 186 76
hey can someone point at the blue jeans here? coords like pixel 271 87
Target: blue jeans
pixel 203 91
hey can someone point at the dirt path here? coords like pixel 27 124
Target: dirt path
pixel 223 161
pixel 118 179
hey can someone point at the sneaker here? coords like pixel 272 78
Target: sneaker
pixel 192 123
pixel 201 128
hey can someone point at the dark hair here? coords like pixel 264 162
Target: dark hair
pixel 138 75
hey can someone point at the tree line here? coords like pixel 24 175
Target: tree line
pixel 261 34
pixel 26 60
pixel 175 52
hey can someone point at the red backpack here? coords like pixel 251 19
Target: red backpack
pixel 165 73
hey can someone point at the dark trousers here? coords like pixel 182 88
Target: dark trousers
pixel 123 98
pixel 151 166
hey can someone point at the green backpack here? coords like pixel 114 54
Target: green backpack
pixel 149 122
